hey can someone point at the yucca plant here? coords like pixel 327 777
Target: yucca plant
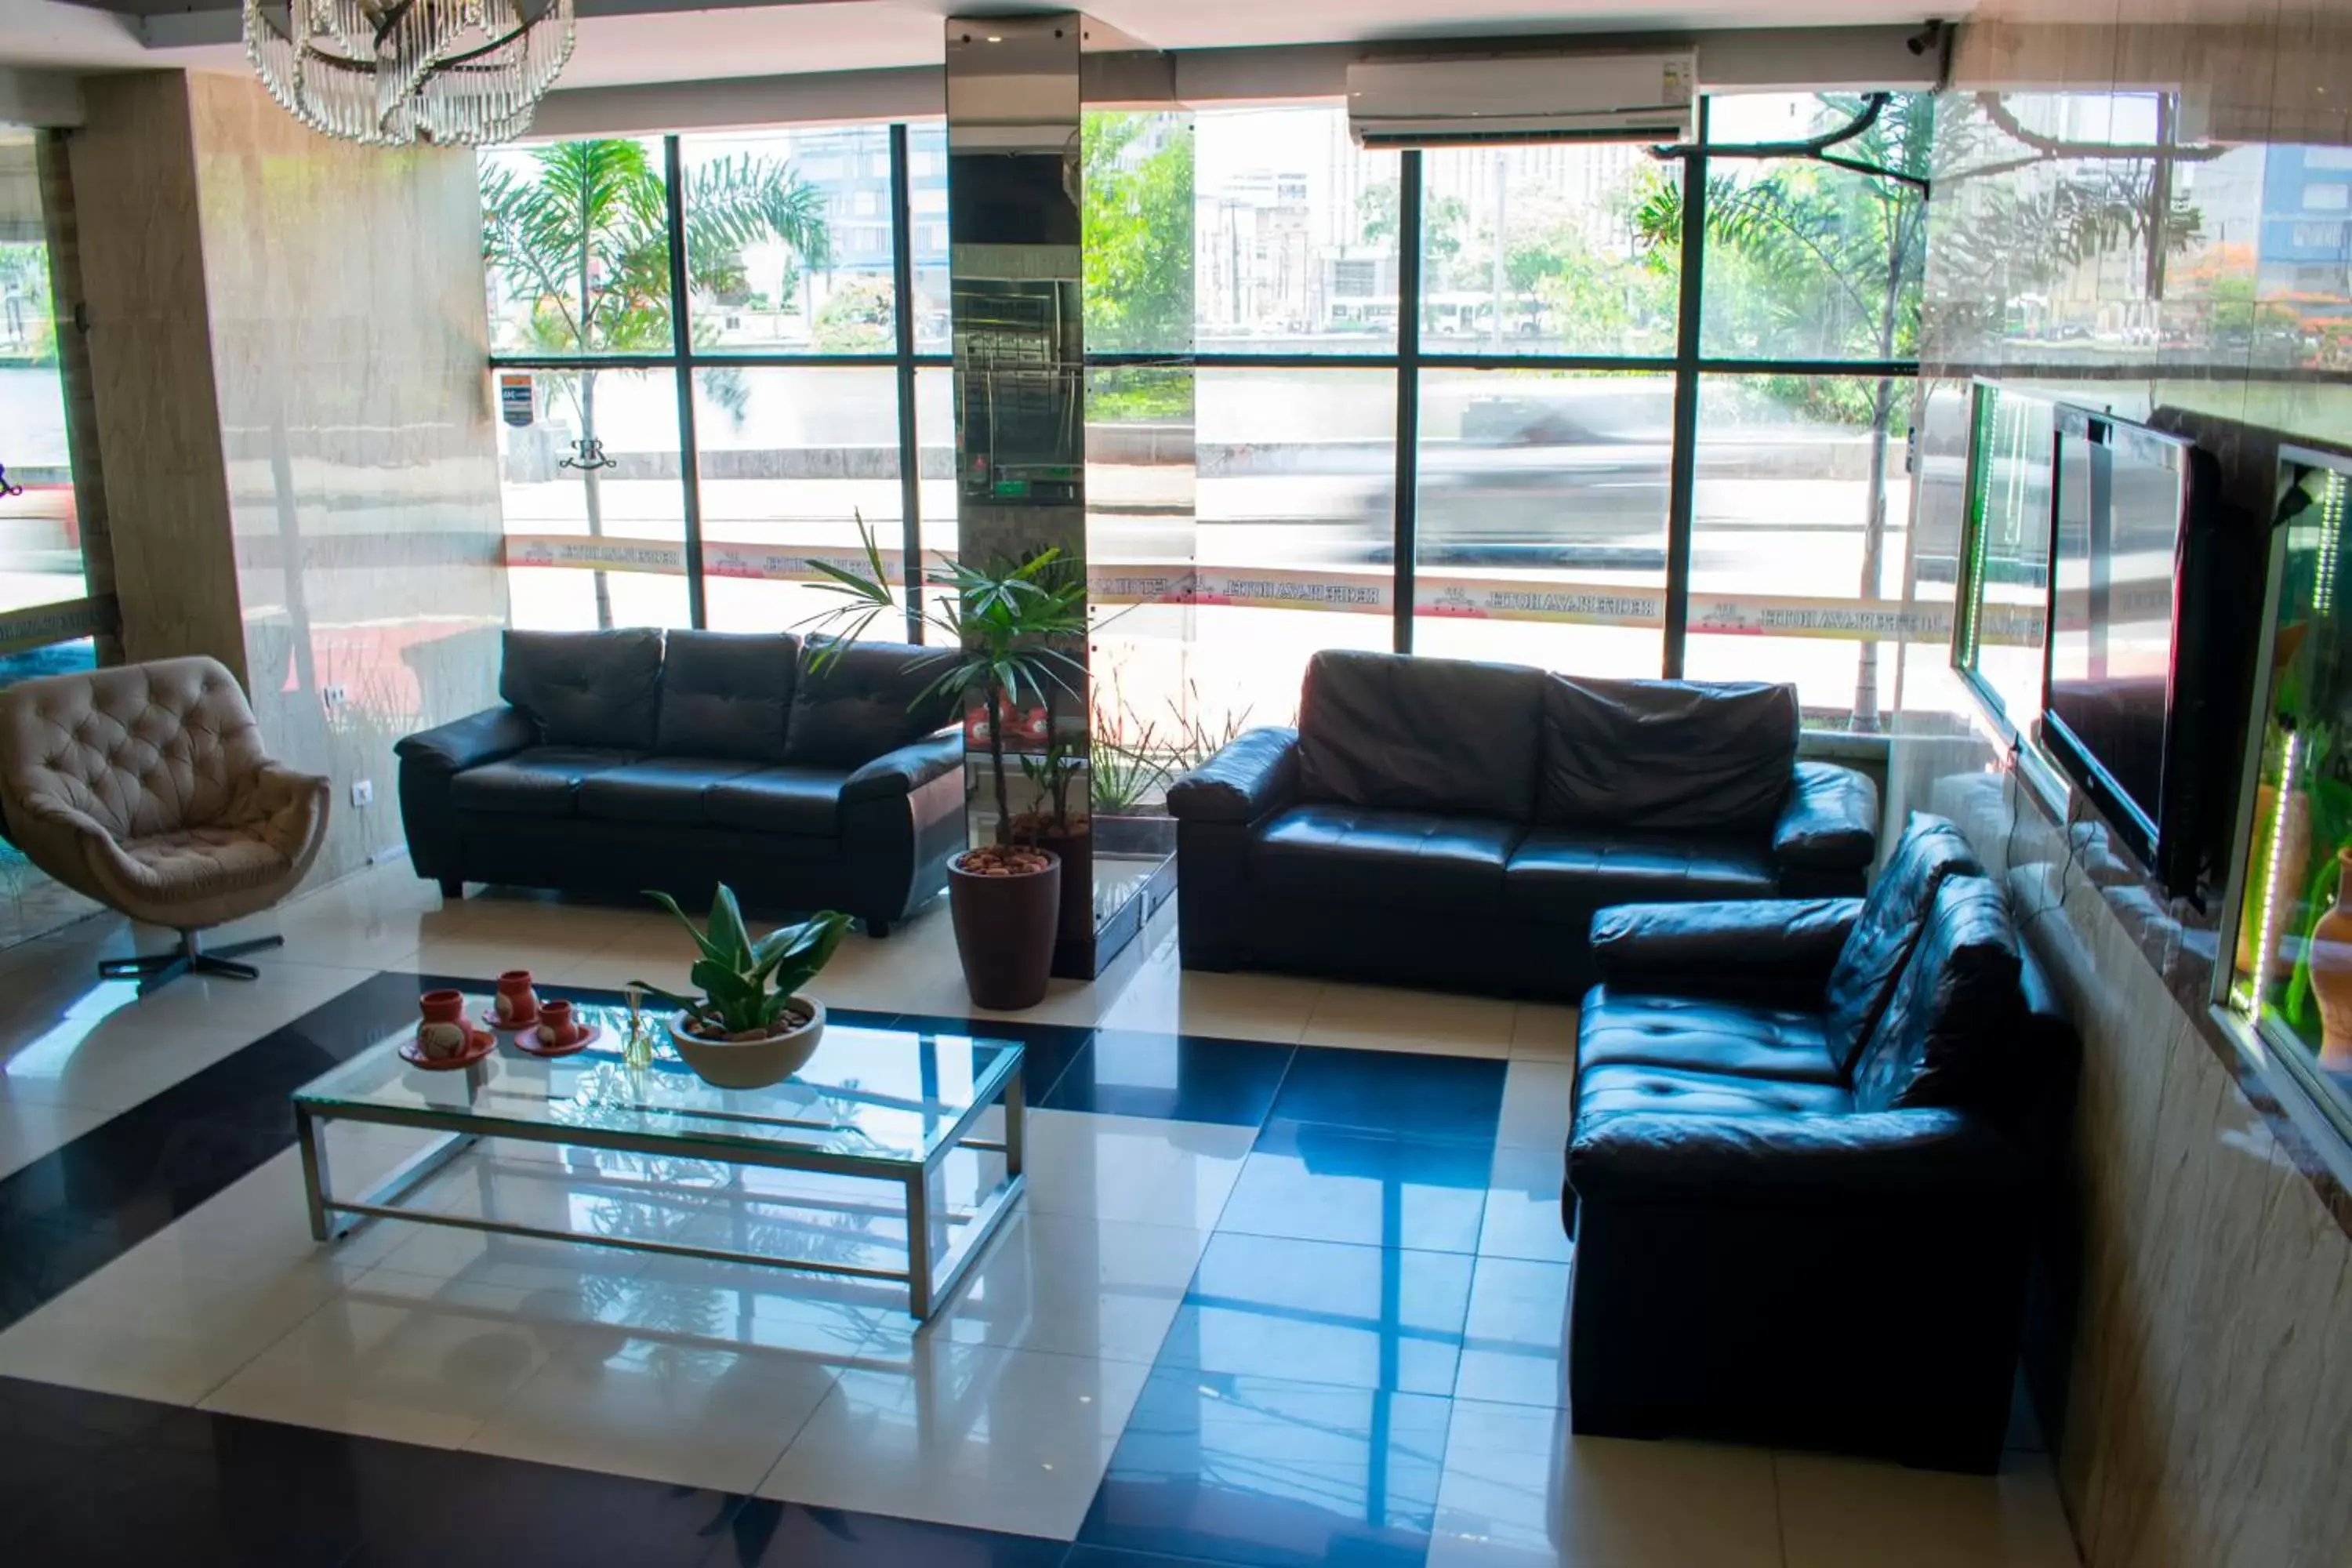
pixel 747 987
pixel 1004 629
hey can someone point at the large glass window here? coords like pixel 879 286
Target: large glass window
pixel 40 538
pixel 1540 523
pixel 1798 518
pixel 777 258
pixel 1295 236
pixel 1806 259
pixel 1540 250
pixel 791 460
pixel 1280 433
pixel 575 239
pixel 595 525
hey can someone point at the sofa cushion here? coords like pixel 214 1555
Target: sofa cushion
pixel 1407 859
pixel 1562 875
pixel 1637 1085
pixel 870 699
pixel 586 689
pixel 1666 756
pixel 538 780
pixel 1864 976
pixel 1703 1035
pixel 658 789
pixel 793 800
pixel 1956 1016
pixel 724 694
pixel 1402 733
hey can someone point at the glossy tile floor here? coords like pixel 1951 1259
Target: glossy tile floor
pixel 1288 1288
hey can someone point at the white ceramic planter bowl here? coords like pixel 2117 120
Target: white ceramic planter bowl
pixel 750 1064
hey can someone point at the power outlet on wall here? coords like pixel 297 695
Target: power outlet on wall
pixel 363 791
pixel 334 696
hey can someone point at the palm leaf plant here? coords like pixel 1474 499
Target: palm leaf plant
pixel 1002 628
pixel 747 985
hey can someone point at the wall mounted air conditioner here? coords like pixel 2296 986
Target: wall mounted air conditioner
pixel 1522 97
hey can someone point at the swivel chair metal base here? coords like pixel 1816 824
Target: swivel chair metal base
pixel 157 969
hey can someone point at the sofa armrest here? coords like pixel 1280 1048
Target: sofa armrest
pixel 1255 773
pixel 1831 822
pixel 906 770
pixel 1782 946
pixel 468 743
pixel 1870 1160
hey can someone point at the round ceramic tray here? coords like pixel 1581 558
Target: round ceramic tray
pixel 413 1054
pixel 526 1042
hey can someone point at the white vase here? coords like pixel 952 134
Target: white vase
pixel 750 1064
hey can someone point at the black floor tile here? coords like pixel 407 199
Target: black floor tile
pixel 1046 1049
pixel 429 1507
pixel 767 1534
pixel 1393 1092
pixel 1085 1554
pixel 1183 1077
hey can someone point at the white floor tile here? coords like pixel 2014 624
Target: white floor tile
pixel 1515 1345
pixel 691 1416
pixel 1523 1214
pixel 1534 1104
pixel 1382 1018
pixel 30 1129
pixel 412 1373
pixel 110 1061
pixel 1070 1285
pixel 1544 1030
pixel 1133 1168
pixel 150 1327
pixel 970 1435
pixel 1236 1007
pixel 1849 1513
pixel 1519 1490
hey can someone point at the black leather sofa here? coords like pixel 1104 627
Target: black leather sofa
pixel 627 760
pixel 1813 1142
pixel 1456 825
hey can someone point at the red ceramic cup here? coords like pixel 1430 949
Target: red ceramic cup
pixel 556 1018
pixel 443 1006
pixel 517 1005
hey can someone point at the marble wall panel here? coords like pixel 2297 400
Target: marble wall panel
pixel 344 297
pixel 156 414
pixel 2200 1392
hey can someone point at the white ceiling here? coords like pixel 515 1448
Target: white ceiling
pixel 626 41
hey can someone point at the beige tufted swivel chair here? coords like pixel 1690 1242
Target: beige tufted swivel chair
pixel 146 788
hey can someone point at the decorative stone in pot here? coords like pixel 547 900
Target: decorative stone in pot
pixel 751 1060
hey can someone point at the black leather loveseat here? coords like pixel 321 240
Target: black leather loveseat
pixel 1813 1142
pixel 627 760
pixel 1445 823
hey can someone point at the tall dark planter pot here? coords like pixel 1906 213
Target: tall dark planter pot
pixel 1004 934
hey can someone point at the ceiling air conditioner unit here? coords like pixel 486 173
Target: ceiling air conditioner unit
pixel 1522 97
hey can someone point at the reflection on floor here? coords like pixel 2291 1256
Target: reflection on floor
pixel 33 904
pixel 1288 1288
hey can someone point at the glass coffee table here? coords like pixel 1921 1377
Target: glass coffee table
pixel 883 1105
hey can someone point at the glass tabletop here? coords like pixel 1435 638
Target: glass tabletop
pixel 873 1093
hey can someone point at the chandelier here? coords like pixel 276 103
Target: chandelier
pixel 392 72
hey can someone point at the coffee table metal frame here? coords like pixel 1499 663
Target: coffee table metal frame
pixel 934 1268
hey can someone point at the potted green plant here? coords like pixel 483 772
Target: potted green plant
pixel 1002 626
pixel 751 1026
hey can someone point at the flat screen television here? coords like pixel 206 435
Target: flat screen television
pixel 2151 598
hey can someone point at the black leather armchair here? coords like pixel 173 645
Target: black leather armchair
pixel 1812 1142
pixel 628 760
pixel 1446 823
